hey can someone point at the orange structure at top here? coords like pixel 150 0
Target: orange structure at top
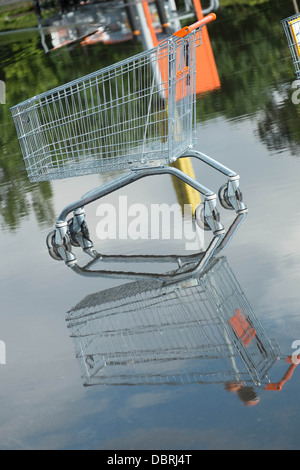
pixel 207 77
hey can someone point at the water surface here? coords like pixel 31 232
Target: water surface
pixel 252 126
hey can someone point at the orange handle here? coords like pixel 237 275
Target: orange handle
pixel 188 29
pixel 289 360
pixel 278 386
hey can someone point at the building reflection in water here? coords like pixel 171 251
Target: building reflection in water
pixel 200 330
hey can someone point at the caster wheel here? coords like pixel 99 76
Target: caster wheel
pixel 52 247
pixel 200 219
pixel 223 197
pixel 54 254
pixel 215 215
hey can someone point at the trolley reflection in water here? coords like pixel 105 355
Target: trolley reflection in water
pixel 200 330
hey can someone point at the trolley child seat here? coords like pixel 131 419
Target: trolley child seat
pixel 136 115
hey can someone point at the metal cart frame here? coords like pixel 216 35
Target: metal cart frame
pixel 139 115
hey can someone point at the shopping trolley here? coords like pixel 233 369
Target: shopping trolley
pixel 201 330
pixel 291 26
pixel 136 115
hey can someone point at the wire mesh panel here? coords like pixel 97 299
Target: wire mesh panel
pixel 134 112
pixel 291 28
pixel 200 331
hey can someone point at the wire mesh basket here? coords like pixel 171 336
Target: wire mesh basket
pixel 131 113
pixel 291 26
pixel 202 331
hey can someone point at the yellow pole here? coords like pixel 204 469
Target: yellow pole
pixel 185 193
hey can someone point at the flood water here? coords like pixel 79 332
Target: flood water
pixel 170 358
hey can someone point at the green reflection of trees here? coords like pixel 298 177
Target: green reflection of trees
pixel 23 69
pixel 28 71
pixel 254 65
pixel 279 123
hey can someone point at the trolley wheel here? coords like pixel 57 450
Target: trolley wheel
pixel 223 197
pixel 201 220
pixel 54 254
pixel 215 215
pixel 52 247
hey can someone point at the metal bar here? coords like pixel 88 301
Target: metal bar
pixel 210 161
pixel 231 231
pixel 129 178
pixel 162 16
pixel 129 8
pixel 148 17
pixel 296 6
pixel 199 24
pixel 193 270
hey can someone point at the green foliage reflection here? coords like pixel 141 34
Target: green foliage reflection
pixel 255 69
pixel 256 73
pixel 28 71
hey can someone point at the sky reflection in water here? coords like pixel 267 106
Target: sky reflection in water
pixel 251 126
